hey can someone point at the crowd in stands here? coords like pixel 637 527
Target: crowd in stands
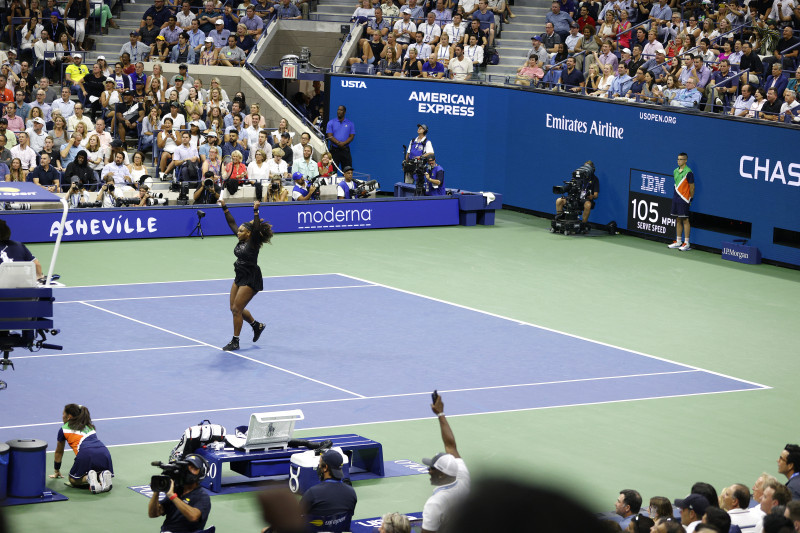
pixel 736 57
pixel 770 506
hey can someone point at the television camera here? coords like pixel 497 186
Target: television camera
pixel 574 191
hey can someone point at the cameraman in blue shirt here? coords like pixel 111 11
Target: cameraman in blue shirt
pixel 434 178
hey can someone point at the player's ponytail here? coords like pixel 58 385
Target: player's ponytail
pixel 80 416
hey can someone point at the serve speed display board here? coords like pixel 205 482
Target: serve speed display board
pixel 650 203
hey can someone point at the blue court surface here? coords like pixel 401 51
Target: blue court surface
pixel 145 359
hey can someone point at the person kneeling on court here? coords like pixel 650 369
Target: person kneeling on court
pixel 187 505
pixel 329 505
pixel 92 466
pixel 448 473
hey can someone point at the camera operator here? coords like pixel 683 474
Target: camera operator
pixel 345 188
pixel 276 192
pixel 301 193
pixel 589 190
pixel 77 194
pixel 208 193
pixel 186 507
pixel 420 147
pixel 434 178
pixel 79 170
pixel 144 195
pixel 107 196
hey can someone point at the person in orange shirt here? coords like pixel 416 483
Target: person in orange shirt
pixel 6 94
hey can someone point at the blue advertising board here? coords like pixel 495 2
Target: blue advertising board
pixel 520 143
pixel 159 222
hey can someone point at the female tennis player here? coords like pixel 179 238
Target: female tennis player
pixel 248 280
pixel 92 464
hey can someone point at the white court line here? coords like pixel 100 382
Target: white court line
pixel 208 294
pixel 193 281
pixel 110 351
pixel 522 323
pixel 220 349
pixel 504 411
pixel 378 397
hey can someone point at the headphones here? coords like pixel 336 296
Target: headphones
pixel 198 462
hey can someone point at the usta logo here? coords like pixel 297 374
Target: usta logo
pixel 357 84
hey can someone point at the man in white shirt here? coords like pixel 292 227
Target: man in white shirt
pixel 79 117
pixel 431 32
pixel 297 149
pixel 24 152
pixel 455 30
pixel 405 29
pixel 737 503
pixel 789 105
pixel 423 49
pixel 449 474
pixel 37 134
pixel 460 67
pixel 185 153
pixel 64 104
pixel 178 120
pixel 692 507
pixel 474 53
pixel 183 92
pixel 743 102
pixel 118 171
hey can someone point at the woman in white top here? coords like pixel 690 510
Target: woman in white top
pixel 605 81
pixel 444 52
pixel 365 10
pixel 215 100
pixel 31 33
pixel 258 170
pixel 283 126
pixel 104 68
pixel 137 168
pixel 755 107
pixel 216 85
pixel 608 29
pixel 157 75
pixel 63 47
pixel 242 8
pixel 276 166
pixel 94 154
pixel 150 128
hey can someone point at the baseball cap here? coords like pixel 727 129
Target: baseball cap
pixel 536 38
pixel 661 52
pixel 194 123
pixel 174 104
pixel 219 21
pixel 129 93
pixel 423 126
pixel 696 502
pixel 77 56
pixel 135 33
pixel 112 80
pixel 160 38
pixel 347 169
pixel 626 50
pixel 139 81
pixel 101 57
pixel 55 14
pixel 209 39
pixel 3 120
pixel 178 77
pixel 39 120
pixel 297 176
pixel 332 458
pixel 444 463
pixel 211 133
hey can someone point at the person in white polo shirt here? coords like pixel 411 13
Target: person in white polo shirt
pixel 448 473
pixel 37 134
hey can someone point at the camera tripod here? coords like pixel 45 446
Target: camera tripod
pixel 199 227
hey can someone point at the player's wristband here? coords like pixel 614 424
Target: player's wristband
pixel 440 415
pixel 173 497
pixel 56 465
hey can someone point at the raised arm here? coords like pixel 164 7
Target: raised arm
pixel 228 217
pixel 448 438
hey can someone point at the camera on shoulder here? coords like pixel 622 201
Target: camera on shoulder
pixel 178 471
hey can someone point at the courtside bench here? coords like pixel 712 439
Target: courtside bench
pixel 365 456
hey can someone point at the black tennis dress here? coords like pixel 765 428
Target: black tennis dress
pixel 248 273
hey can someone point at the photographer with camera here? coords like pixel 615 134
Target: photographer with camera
pixel 301 191
pixel 208 193
pixel 186 505
pixel 77 195
pixel 276 192
pixel 582 189
pixel 345 188
pixel 107 196
pixel 80 170
pixel 434 178
pixel 418 150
